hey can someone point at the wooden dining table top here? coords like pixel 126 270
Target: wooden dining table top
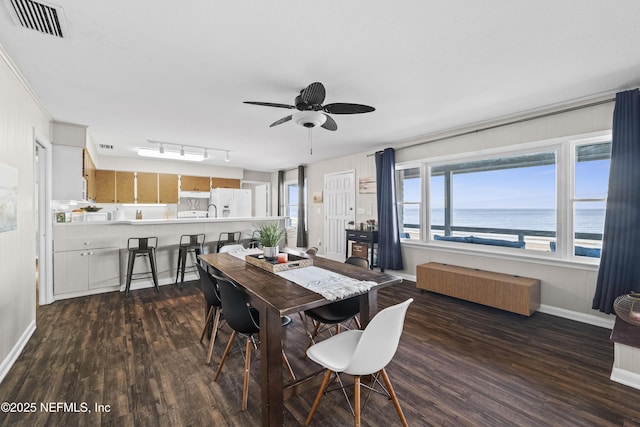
pixel 282 295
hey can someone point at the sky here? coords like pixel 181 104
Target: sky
pixel 521 188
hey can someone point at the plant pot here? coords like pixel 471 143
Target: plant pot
pixel 271 252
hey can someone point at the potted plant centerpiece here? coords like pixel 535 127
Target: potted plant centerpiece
pixel 270 237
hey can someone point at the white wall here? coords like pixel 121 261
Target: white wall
pixel 20 114
pixel 567 289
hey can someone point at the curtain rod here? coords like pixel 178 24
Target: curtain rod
pixel 512 122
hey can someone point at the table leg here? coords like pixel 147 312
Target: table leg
pixel 271 370
pixel 368 307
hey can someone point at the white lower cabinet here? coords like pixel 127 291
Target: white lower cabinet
pixel 83 270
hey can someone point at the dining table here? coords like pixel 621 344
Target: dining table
pixel 275 297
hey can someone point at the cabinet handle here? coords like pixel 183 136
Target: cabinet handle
pixel 87 243
pixel 83 254
pixel 90 253
pixel 363 237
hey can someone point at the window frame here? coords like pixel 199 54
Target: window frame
pixel 565 186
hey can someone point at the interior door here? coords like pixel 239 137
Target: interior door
pixel 339 210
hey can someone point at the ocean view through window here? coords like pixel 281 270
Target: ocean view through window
pixel 514 201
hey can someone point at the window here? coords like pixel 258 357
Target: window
pixel 500 201
pixel 291 207
pixel 409 201
pixel 591 176
pixel 549 198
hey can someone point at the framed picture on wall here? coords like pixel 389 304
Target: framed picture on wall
pixel 367 185
pixel 317 197
pixel 8 198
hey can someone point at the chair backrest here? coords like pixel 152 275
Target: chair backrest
pixel 237 313
pixel 192 240
pixel 379 340
pixel 142 243
pixel 229 236
pixel 359 261
pixel 209 287
pixel 230 248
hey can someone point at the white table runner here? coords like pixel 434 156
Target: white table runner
pixel 241 253
pixel 327 283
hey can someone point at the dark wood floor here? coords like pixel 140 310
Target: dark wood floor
pixel 458 364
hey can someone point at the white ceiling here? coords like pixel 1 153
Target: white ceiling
pixel 178 71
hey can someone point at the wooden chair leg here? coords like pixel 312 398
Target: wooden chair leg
pixel 206 323
pixel 285 359
pixel 313 335
pixel 214 333
pixel 356 400
pixel 323 387
pixel 394 398
pixel 247 367
pixel 226 353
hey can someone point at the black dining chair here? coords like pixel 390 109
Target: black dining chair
pixel 244 320
pixel 336 313
pixel 213 307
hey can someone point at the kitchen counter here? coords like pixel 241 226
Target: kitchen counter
pixel 91 257
pixel 171 221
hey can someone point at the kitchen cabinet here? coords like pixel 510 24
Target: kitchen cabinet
pixel 195 183
pixel 105 186
pixel 147 187
pixel 167 188
pixel 125 187
pixel 225 183
pixel 84 270
pixel 86 258
pixel 89 174
pixel 67 180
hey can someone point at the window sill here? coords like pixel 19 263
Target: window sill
pixel 520 255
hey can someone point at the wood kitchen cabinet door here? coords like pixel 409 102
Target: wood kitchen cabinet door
pixel 125 184
pixel 105 186
pixel 168 188
pixel 225 183
pixel 147 185
pixel 195 183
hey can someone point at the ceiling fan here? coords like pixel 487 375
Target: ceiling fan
pixel 311 113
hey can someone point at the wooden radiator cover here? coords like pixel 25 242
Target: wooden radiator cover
pixel 511 293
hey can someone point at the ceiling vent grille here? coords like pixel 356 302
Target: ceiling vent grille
pixel 106 147
pixel 38 16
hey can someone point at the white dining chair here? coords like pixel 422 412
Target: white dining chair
pixel 362 352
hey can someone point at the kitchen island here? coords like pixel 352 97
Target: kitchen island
pixel 91 257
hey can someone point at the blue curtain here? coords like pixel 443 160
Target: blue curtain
pixel 619 271
pixel 280 193
pixel 389 250
pixel 301 237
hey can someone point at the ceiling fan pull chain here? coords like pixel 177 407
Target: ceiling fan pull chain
pixel 310 142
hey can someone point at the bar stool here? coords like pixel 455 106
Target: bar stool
pixel 137 247
pixel 189 243
pixel 228 238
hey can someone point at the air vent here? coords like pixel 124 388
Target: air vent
pixel 106 147
pixel 41 17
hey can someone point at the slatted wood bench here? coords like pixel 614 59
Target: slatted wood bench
pixel 511 293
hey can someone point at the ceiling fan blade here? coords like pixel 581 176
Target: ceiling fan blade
pixel 344 108
pixel 329 124
pixel 270 104
pixel 314 94
pixel 281 121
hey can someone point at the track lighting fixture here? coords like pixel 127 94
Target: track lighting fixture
pixel 182 154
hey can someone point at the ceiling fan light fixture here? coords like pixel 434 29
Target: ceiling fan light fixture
pixel 309 119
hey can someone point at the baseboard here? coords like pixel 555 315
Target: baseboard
pixel 625 377
pixel 15 352
pixel 578 317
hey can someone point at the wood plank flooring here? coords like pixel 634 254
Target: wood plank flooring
pixel 458 364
